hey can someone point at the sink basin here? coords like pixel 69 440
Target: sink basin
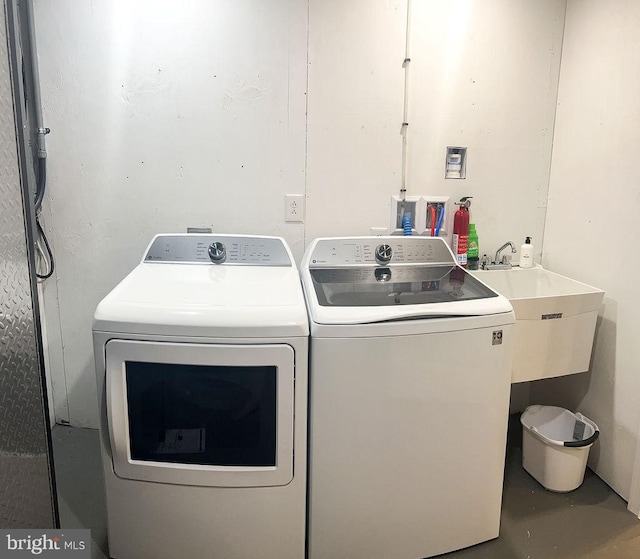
pixel 555 320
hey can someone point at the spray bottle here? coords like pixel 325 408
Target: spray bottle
pixel 461 230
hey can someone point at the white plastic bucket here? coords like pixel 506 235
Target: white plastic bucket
pixel 555 446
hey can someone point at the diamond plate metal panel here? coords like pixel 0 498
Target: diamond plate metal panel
pixel 25 485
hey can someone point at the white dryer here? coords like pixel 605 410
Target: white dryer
pixel 201 358
pixel 410 368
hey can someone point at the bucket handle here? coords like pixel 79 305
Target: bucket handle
pixel 573 444
pixel 586 442
pixel 592 439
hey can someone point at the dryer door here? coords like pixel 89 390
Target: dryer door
pixel 197 414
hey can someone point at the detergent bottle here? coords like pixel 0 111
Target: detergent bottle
pixel 473 256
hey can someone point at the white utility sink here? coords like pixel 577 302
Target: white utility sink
pixel 555 320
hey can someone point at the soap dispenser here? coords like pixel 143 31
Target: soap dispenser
pixel 526 254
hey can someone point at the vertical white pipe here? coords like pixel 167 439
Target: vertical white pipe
pixel 405 113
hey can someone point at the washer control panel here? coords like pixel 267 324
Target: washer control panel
pixel 350 251
pixel 218 249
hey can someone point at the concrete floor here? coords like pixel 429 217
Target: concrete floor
pixel 589 523
pixel 81 501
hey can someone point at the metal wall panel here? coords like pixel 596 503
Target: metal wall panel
pixel 26 494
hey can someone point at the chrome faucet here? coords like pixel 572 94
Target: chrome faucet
pixel 500 263
pixel 504 260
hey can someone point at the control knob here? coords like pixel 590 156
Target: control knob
pixel 217 252
pixel 383 253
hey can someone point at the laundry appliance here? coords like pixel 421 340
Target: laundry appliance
pixel 201 356
pixel 410 369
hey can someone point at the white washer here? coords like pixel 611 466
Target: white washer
pixel 201 358
pixel 409 396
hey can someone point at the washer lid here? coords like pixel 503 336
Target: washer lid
pixel 421 280
pixel 395 285
pixel 206 300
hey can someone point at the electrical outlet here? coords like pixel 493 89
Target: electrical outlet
pixel 294 208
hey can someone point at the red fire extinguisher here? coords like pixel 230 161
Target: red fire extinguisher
pixel 461 230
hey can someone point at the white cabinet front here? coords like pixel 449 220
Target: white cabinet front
pixel 198 414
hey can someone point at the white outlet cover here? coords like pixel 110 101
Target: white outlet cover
pixel 294 208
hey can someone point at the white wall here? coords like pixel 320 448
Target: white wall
pixel 484 75
pixel 166 116
pixel 591 227
pixel 356 85
pixel 163 115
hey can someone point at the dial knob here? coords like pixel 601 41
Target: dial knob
pixel 217 252
pixel 383 253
